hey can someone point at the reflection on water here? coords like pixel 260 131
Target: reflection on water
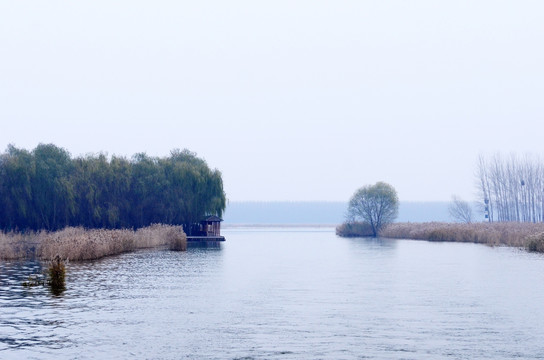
pixel 283 294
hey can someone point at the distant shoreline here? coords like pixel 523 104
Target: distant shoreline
pixel 513 234
pixel 323 212
pixel 261 225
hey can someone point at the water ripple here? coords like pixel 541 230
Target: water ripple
pixel 282 295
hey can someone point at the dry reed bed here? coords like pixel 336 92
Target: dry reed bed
pixel 16 245
pixel 503 233
pixel 77 243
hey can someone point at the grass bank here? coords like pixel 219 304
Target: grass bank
pixel 515 234
pixel 77 243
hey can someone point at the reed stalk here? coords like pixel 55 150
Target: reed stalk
pixel 177 240
pixel 57 274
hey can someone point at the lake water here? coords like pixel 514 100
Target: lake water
pixel 284 294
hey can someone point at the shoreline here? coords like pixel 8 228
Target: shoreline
pixel 79 244
pixel 513 234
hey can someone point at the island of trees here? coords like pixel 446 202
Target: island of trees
pixel 48 189
pixel 53 205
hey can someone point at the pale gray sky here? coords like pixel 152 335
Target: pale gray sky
pixel 291 100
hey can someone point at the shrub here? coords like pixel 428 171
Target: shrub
pixel 535 243
pixel 354 229
pixel 57 272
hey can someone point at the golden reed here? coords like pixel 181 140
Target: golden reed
pixel 514 234
pixel 77 243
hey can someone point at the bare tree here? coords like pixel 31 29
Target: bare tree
pixel 512 188
pixel 460 210
pixel 482 174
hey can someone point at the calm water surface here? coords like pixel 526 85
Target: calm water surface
pixel 284 294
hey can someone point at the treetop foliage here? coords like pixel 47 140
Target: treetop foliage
pixel 48 189
pixel 375 204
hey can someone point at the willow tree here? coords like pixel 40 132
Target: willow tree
pixel 47 189
pixel 52 191
pixel 375 204
pixel 16 173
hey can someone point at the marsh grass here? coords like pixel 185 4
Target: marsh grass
pixel 498 233
pixel 177 240
pixel 515 234
pixel 57 274
pixel 16 246
pixel 78 244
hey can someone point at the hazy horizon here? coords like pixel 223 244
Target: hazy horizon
pixel 290 100
pixel 329 212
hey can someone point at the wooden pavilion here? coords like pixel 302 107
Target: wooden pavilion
pixel 209 229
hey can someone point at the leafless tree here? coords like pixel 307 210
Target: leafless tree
pixel 512 188
pixel 460 210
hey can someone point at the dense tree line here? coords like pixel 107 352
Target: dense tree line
pixel 48 189
pixel 512 188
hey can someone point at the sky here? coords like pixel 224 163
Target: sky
pixel 290 100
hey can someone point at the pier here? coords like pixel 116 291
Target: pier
pixel 208 230
pixel 205 238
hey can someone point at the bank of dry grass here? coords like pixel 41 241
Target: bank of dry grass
pixel 527 235
pixel 15 245
pixel 77 243
pixel 504 233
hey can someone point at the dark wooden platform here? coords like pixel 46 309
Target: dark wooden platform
pixel 205 238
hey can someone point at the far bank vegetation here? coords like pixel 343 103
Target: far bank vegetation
pixel 515 234
pixel 511 198
pixel 498 233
